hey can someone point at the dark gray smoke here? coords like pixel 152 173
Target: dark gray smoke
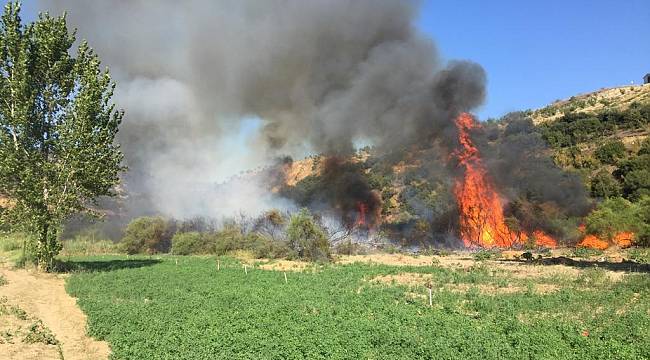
pixel 320 76
pixel 524 158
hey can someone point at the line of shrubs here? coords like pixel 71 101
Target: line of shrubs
pixel 272 235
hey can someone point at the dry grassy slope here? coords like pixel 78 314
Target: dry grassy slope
pixel 617 98
pixel 301 169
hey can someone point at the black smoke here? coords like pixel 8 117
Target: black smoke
pixel 320 76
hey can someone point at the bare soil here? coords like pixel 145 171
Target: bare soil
pixel 285 265
pixel 13 330
pixel 43 296
pixel 457 261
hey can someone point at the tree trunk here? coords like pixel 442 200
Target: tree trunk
pixel 43 261
pixel 47 247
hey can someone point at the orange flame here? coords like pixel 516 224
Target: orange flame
pixel 593 242
pixel 481 213
pixel 544 239
pixel 621 239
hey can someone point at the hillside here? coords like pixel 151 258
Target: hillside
pixel 549 165
pixel 619 98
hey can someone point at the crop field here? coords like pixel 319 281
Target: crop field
pixel 187 308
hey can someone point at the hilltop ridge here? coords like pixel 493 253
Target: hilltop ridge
pixel 619 98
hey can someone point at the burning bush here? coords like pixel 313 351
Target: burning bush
pixel 618 221
pixel 613 216
pixel 482 220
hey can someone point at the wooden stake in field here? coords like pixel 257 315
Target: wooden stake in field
pixel 218 265
pixel 429 285
pixel 246 269
pixel 176 262
pixel 285 277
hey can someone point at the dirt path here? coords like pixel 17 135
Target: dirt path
pixel 43 296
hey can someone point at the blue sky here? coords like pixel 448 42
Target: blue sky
pixel 535 52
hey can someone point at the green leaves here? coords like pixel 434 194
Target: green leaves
pixel 57 127
pixel 307 238
pixel 190 310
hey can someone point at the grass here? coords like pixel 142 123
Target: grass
pixel 582 252
pixel 183 308
pixel 640 255
pixel 11 245
pixel 84 245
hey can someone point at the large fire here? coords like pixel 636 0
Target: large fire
pixel 482 223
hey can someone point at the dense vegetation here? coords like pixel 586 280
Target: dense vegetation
pixel 574 128
pixel 272 235
pixel 184 308
pixel 553 174
pixel 615 215
pixel 590 143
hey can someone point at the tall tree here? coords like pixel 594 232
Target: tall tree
pixel 57 128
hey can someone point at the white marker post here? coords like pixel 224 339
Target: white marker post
pixel 430 298
pixel 218 265
pixel 246 269
pixel 285 278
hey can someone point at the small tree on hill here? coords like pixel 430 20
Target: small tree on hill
pixel 57 128
pixel 610 152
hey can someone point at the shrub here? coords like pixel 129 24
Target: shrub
pixel 610 152
pixel 271 224
pixel 350 248
pixel 230 238
pixel 645 147
pixel 643 227
pixel 635 175
pixel 612 216
pixel 486 255
pixel 37 332
pixel 193 242
pixel 604 185
pixel 307 238
pixel 264 247
pixel 147 235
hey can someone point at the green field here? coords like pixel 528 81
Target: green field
pixel 156 308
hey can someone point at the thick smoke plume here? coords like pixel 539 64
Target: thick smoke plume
pixel 319 76
pixel 347 189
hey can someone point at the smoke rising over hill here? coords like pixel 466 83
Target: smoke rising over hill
pixel 319 74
